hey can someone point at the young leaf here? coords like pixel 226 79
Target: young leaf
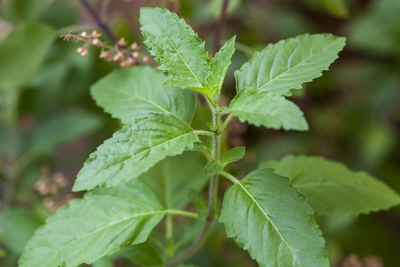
pixel 268 110
pixel 130 93
pixel 270 219
pixel 331 186
pixel 213 167
pixel 95 226
pixel 134 149
pixel 288 64
pixel 22 52
pixel 177 49
pixel 171 182
pixel 219 66
pixel 235 154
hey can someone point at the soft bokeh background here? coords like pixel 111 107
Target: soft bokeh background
pixel 49 123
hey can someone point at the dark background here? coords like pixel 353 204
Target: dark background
pixel 353 111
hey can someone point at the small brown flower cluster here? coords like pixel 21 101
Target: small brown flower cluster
pixel 121 53
pixel 353 260
pixel 50 187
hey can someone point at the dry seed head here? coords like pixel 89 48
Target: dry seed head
pixel 135 54
pixel 60 179
pixel 84 34
pixel 129 62
pixel 118 57
pixel 96 41
pixel 104 54
pixel 134 46
pixel 83 51
pixel 122 42
pixel 95 34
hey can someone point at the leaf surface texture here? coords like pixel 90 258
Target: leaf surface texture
pixel 130 93
pixel 331 186
pixel 95 226
pixel 134 149
pixel 269 218
pixel 288 64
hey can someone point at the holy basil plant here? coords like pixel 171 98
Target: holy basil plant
pixel 136 179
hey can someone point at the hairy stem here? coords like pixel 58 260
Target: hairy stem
pixel 212 201
pixel 201 132
pixel 216 154
pixel 227 120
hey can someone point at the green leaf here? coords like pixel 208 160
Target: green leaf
pixel 215 7
pixel 23 10
pixel 134 149
pixel 104 262
pixel 234 154
pixel 268 110
pixel 288 64
pixel 336 7
pixel 95 226
pixel 130 93
pixel 142 255
pixel 199 202
pixel 16 227
pixel 269 218
pixel 61 129
pixel 213 167
pixel 187 233
pixel 219 66
pixel 376 30
pixel 22 52
pixel 177 49
pixel 331 186
pixel 172 183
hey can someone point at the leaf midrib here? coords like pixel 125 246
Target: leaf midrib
pixel 107 226
pixel 177 51
pixel 289 69
pixel 152 147
pixel 267 217
pixel 154 104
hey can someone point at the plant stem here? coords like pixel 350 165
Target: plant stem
pixel 10 172
pixel 227 120
pixel 103 26
pixel 230 177
pixel 216 154
pixel 169 227
pixel 201 132
pixel 182 213
pixel 212 200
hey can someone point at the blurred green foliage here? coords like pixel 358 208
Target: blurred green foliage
pixel 48 120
